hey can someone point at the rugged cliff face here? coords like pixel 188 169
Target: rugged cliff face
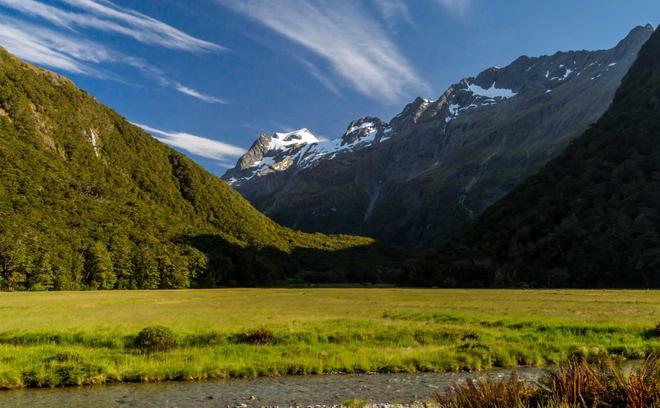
pixel 420 178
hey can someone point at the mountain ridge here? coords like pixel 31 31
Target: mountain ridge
pixel 455 155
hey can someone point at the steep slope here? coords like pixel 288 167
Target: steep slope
pixel 88 200
pixel 589 218
pixel 418 179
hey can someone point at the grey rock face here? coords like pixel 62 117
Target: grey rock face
pixel 420 178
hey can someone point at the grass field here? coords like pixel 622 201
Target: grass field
pixel 70 338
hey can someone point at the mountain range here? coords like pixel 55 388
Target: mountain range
pixel 90 201
pixel 420 178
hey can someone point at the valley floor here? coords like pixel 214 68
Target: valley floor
pixel 72 338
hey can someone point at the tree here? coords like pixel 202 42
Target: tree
pixel 121 253
pixel 15 265
pixel 99 269
pixel 42 277
pixel 147 275
pixel 178 265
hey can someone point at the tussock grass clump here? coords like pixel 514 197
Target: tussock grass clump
pixel 481 393
pixel 258 337
pixel 355 403
pixel 604 383
pixel 65 357
pixel 155 338
pixel 577 383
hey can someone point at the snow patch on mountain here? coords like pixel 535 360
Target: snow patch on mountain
pixel 283 141
pixel 492 92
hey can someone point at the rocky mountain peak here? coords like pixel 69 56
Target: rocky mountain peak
pixel 255 153
pixel 363 127
pixel 633 41
pixel 410 114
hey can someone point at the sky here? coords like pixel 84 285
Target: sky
pixel 208 76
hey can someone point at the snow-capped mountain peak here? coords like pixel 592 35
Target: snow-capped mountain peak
pixel 302 149
pixel 283 141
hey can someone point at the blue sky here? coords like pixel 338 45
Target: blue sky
pixel 207 76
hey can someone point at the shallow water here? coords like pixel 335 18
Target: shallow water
pixel 283 391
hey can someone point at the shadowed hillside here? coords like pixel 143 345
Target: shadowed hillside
pixel 590 218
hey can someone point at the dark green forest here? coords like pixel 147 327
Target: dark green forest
pixel 89 201
pixel 590 218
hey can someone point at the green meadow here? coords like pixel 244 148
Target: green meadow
pixel 71 338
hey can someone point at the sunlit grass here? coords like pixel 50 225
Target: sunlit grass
pixel 71 338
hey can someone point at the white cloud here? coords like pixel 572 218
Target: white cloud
pixel 47 47
pixel 322 77
pixel 460 7
pixel 348 38
pixel 197 145
pixel 196 94
pixel 77 55
pixel 394 11
pixel 103 15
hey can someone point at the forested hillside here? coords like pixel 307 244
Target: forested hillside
pixel 590 218
pixel 89 201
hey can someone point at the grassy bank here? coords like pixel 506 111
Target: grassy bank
pixel 70 338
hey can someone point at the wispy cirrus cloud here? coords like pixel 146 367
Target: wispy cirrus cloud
pixel 321 77
pixel 394 11
pixel 343 34
pixel 196 94
pixel 74 54
pixel 197 145
pixel 459 7
pixel 51 48
pixel 102 15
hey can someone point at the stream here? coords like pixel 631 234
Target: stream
pixel 302 391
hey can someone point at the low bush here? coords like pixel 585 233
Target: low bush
pixel 155 338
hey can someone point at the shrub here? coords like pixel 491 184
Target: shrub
pixel 155 338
